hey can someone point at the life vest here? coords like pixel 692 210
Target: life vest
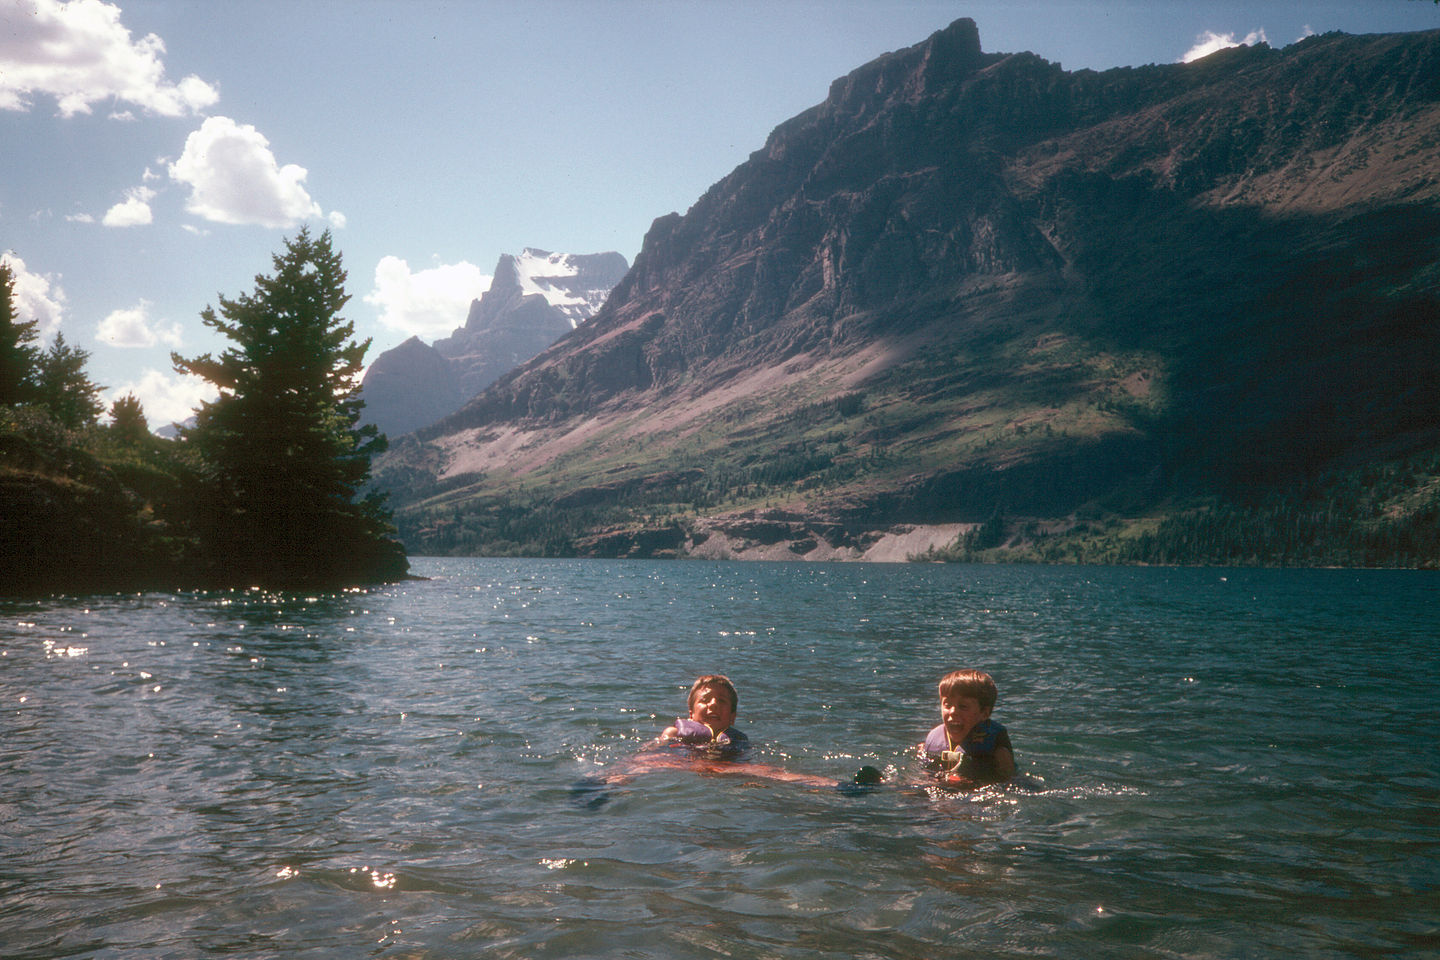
pixel 696 734
pixel 692 731
pixel 983 739
pixel 973 761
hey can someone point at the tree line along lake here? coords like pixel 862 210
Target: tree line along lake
pixel 1213 762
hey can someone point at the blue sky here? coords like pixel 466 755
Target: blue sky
pixel 155 153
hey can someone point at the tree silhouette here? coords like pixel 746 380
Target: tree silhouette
pixel 284 461
pixel 19 357
pixel 65 388
pixel 127 418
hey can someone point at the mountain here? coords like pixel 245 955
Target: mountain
pixel 534 299
pixel 975 297
pixel 409 386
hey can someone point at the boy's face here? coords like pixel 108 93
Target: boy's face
pixel 713 708
pixel 960 714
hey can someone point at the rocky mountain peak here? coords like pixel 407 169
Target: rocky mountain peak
pixel 948 56
pixel 506 276
pixel 573 286
pixel 535 298
pixel 967 281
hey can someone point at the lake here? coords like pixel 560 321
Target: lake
pixel 1213 763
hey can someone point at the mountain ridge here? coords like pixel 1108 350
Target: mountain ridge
pixel 1044 291
pixel 533 299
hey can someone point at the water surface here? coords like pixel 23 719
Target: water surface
pixel 1232 763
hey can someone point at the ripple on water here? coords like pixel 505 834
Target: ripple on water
pixel 390 772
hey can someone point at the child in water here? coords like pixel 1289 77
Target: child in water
pixel 711 723
pixel 967 747
pixel 716 745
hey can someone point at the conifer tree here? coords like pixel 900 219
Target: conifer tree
pixel 127 418
pixel 65 388
pixel 285 460
pixel 19 357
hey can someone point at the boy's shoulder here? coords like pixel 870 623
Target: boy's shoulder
pixel 987 736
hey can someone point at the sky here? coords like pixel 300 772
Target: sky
pixel 154 154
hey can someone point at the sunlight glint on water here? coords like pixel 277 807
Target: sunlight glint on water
pixel 1214 763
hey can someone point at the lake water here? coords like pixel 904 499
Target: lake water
pixel 1214 763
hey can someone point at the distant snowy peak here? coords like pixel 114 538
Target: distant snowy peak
pixel 535 299
pixel 547 293
pixel 574 284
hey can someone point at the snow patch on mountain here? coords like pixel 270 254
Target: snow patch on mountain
pixel 534 299
pixel 554 277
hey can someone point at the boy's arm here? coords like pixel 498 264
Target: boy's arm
pixel 763 770
pixel 647 761
pixel 649 758
pixel 1004 762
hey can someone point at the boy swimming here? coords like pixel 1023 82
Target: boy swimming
pixel 967 748
pixel 711 722
pixel 715 745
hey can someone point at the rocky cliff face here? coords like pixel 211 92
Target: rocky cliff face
pixel 972 281
pixel 533 300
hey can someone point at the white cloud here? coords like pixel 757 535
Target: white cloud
pixel 34 298
pixel 428 303
pixel 134 328
pixel 234 178
pixel 166 398
pixel 1210 42
pixel 79 53
pixel 79 218
pixel 133 211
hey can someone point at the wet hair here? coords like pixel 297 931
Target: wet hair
pixel 714 680
pixel 970 683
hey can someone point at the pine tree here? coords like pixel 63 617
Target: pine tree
pixel 285 460
pixel 65 388
pixel 19 357
pixel 127 418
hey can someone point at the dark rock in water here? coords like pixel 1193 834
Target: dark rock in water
pixel 590 793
